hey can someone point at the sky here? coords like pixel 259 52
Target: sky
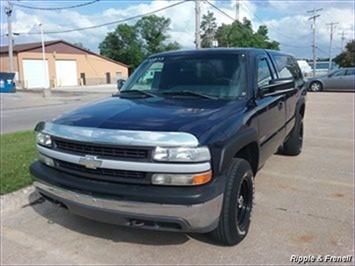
pixel 288 21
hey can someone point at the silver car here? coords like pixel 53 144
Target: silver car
pixel 341 79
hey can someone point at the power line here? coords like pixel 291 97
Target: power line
pixel 267 24
pixel 220 10
pixel 322 51
pixel 57 8
pixel 110 23
pixel 293 46
pixel 224 13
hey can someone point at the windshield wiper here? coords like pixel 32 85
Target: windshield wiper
pixel 189 93
pixel 127 92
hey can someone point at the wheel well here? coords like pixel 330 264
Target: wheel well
pixel 302 110
pixel 250 153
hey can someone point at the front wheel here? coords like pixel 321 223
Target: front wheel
pixel 235 217
pixel 316 86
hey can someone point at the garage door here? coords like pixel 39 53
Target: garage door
pixel 34 75
pixel 66 72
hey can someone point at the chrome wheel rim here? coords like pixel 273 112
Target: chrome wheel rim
pixel 243 203
pixel 315 86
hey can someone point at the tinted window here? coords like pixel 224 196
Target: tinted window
pixel 287 67
pixel 222 76
pixel 340 72
pixel 350 72
pixel 264 74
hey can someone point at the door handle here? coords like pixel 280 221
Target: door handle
pixel 280 105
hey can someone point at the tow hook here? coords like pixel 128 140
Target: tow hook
pixel 136 223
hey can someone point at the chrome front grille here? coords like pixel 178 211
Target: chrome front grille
pixel 105 151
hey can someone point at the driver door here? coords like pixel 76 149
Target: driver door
pixel 336 81
pixel 272 112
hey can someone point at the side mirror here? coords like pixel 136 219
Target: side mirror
pixel 275 86
pixel 120 83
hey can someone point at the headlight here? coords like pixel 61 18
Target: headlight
pixel 43 139
pixel 181 179
pixel 199 154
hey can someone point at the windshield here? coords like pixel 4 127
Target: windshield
pixel 218 76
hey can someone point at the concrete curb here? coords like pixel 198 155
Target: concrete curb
pixel 18 199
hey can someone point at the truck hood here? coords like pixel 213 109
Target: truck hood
pixel 194 116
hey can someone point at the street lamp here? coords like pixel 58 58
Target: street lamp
pixel 46 89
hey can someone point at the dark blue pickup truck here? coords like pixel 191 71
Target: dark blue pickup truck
pixel 178 147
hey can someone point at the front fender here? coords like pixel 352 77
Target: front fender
pixel 234 145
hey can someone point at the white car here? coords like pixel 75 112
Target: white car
pixel 305 68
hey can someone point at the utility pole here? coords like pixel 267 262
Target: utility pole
pixel 342 40
pixel 46 89
pixel 332 27
pixel 198 23
pixel 8 11
pixel 237 7
pixel 314 18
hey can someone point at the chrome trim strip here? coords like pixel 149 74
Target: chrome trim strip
pixel 198 216
pixel 131 166
pixel 120 137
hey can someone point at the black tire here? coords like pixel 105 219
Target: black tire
pixel 294 143
pixel 235 217
pixel 316 86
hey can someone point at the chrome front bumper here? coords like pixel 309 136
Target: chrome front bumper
pixel 192 218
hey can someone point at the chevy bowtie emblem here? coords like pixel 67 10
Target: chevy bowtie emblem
pixel 90 162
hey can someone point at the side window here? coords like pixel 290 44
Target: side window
pixel 339 73
pixel 350 72
pixel 287 67
pixel 297 72
pixel 264 73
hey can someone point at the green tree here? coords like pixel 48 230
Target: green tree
pixel 124 45
pixel 263 40
pixel 208 28
pixel 131 44
pixel 240 34
pixel 153 31
pixel 346 58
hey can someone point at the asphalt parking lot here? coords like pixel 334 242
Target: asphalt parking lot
pixel 304 206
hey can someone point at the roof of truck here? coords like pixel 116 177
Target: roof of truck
pixel 214 51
